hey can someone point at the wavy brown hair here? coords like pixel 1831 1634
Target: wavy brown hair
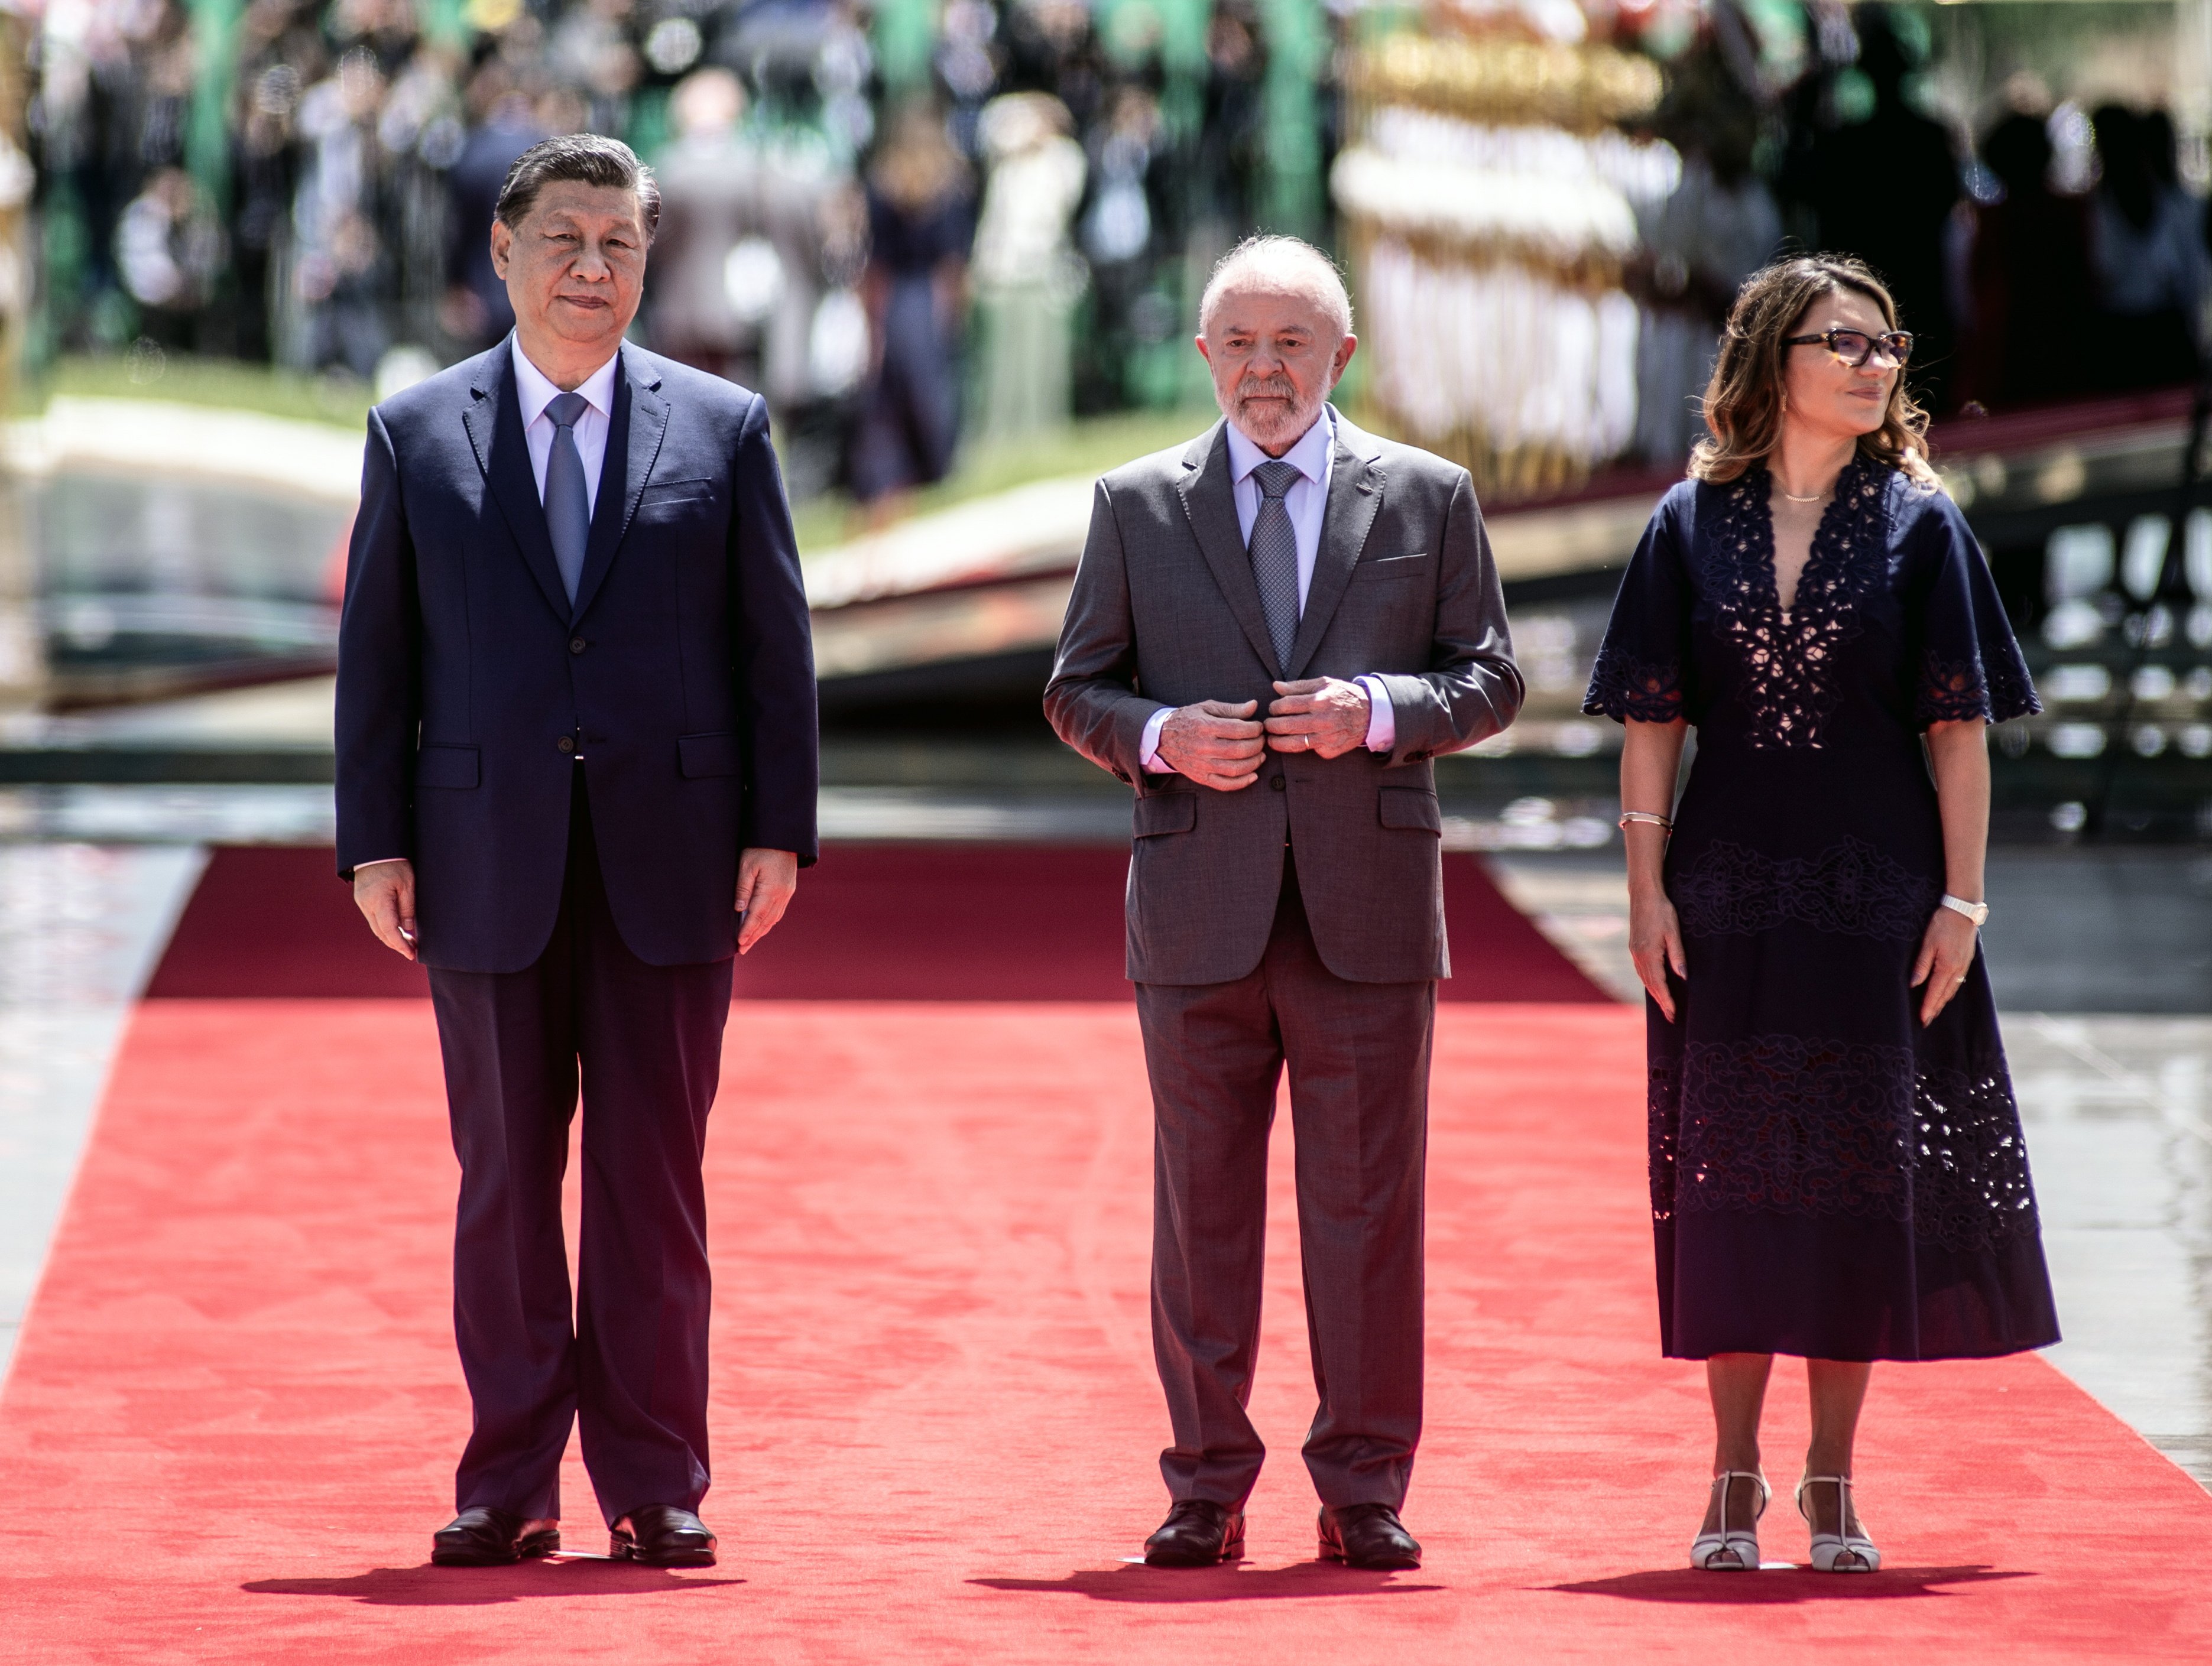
pixel 1743 401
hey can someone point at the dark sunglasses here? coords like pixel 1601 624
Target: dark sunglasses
pixel 1856 347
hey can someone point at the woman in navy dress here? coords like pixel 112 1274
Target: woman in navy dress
pixel 1837 1167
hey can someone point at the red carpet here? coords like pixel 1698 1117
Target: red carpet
pixel 871 922
pixel 233 1418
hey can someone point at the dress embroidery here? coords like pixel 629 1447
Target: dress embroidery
pixel 1851 888
pixel 1806 1126
pixel 1663 1118
pixel 1828 1177
pixel 1958 690
pixel 1971 1187
pixel 1789 692
pixel 1623 686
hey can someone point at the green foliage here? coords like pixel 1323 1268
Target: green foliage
pixel 1087 447
pixel 340 401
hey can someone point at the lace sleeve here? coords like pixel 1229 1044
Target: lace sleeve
pixel 1969 664
pixel 1639 672
pixel 1958 690
pixel 1623 687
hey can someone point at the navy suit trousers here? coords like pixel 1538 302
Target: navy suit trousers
pixel 628 1361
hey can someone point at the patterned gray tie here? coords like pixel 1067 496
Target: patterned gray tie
pixel 568 504
pixel 1275 558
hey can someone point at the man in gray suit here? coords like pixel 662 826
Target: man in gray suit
pixel 1285 900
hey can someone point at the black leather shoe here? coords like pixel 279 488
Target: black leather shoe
pixel 662 1536
pixel 482 1536
pixel 1198 1533
pixel 1368 1536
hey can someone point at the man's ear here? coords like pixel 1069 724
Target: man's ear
pixel 1343 359
pixel 502 247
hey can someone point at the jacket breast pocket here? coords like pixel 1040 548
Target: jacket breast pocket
pixel 449 767
pixel 699 755
pixel 1413 810
pixel 675 499
pixel 1165 812
pixel 1382 570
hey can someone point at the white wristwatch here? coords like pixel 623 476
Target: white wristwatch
pixel 1978 912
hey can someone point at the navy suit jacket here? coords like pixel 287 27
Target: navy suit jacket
pixel 467 682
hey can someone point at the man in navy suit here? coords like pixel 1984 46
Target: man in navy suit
pixel 576 772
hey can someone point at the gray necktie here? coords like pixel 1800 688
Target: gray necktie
pixel 1275 558
pixel 568 504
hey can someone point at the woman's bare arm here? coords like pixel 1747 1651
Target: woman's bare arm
pixel 1959 753
pixel 1650 759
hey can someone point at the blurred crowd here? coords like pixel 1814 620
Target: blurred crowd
pixel 892 250
pixel 2041 252
pixel 919 221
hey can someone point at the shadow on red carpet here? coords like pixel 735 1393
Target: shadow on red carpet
pixel 1135 1583
pixel 871 922
pixel 424 1586
pixel 1785 1586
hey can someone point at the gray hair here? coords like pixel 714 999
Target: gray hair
pixel 1281 263
pixel 589 159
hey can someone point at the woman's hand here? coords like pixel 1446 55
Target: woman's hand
pixel 1946 951
pixel 1654 943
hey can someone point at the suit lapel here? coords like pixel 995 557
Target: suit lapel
pixel 493 421
pixel 634 429
pixel 1209 500
pixel 1355 496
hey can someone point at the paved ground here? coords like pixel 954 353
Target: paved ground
pixel 2124 930
pixel 80 928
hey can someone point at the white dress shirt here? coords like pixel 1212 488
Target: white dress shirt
pixel 537 392
pixel 1307 505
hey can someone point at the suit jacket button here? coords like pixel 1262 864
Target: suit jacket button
pixel 576 645
pixel 565 744
pixel 1276 782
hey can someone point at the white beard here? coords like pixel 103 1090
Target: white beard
pixel 1268 424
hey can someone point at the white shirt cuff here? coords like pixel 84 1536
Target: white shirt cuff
pixel 379 863
pixel 1381 717
pixel 1148 754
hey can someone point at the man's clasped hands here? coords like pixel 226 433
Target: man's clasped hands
pixel 1218 744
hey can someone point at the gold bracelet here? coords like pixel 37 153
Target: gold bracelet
pixel 1658 822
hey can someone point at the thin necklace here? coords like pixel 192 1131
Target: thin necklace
pixel 1816 498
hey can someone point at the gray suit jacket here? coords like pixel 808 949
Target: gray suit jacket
pixel 1166 611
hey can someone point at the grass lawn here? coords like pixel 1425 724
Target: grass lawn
pixel 1087 447
pixel 180 379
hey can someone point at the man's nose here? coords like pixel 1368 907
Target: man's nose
pixel 591 263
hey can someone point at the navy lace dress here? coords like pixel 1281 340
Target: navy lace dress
pixel 1828 1178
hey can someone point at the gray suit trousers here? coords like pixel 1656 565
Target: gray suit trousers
pixel 1358 1059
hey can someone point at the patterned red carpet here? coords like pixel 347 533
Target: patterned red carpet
pixel 233 1416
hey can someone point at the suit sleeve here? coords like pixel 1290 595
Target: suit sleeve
pixel 773 642
pixel 1091 701
pixel 379 657
pixel 1472 688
